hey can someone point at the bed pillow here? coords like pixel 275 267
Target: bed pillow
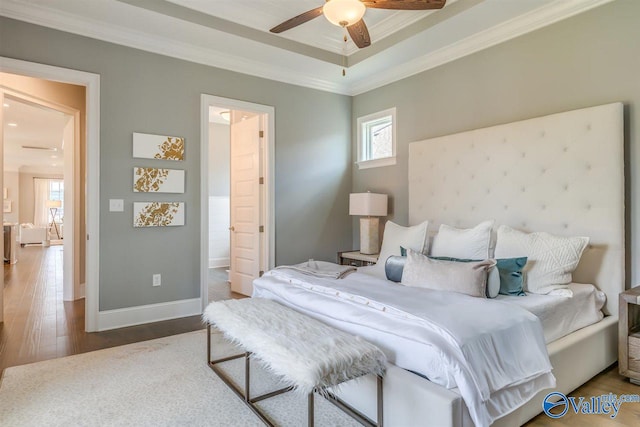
pixel 511 276
pixel 493 276
pixel 469 243
pixel 551 259
pixel 394 266
pixel 468 278
pixel 395 235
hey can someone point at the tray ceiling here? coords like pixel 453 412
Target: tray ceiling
pixel 234 34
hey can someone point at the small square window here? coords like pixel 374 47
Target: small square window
pixel 377 139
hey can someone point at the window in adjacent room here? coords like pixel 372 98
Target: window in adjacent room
pixel 56 192
pixel 377 139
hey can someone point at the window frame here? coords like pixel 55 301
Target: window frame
pixel 361 149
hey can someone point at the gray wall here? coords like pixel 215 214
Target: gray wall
pixel 219 159
pixel 588 60
pixel 144 92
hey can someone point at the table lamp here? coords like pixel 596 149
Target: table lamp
pixel 370 206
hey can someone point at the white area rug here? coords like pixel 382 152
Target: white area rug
pixel 163 382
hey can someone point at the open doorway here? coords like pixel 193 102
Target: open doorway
pixel 237 196
pixel 41 144
pixel 219 257
pixel 42 83
pixel 40 218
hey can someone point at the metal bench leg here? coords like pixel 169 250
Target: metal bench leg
pixel 208 343
pixel 310 414
pixel 380 403
pixel 247 377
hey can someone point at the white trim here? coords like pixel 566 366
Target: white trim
pixel 100 30
pixel 219 262
pixel 130 316
pixel 207 101
pixel 71 176
pixel 368 164
pixel 536 19
pixel 92 83
pixel 385 161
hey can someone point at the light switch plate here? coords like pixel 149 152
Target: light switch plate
pixel 116 205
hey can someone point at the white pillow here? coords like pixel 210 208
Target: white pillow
pixel 468 278
pixel 395 235
pixel 469 243
pixel 551 259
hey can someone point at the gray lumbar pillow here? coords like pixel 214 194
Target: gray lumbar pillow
pixel 468 278
pixel 394 266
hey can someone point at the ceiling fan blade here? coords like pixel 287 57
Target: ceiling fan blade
pixel 405 4
pixel 359 34
pixel 297 20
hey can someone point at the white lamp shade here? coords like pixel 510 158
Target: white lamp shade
pixel 368 204
pixel 54 203
pixel 344 12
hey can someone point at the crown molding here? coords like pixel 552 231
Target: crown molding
pixel 276 69
pixel 534 20
pixel 63 21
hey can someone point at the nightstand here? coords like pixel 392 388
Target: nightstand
pixel 356 258
pixel 629 335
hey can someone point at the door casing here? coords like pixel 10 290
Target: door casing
pixel 92 83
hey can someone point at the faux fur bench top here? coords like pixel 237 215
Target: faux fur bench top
pixel 303 352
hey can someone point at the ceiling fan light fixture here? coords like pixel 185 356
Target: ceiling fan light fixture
pixel 226 115
pixel 344 12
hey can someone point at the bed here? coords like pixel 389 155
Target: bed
pixel 561 174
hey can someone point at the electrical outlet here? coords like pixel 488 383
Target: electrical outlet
pixel 157 280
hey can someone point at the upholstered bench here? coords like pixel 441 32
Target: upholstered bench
pixel 307 355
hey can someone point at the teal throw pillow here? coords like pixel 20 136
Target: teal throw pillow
pixel 511 277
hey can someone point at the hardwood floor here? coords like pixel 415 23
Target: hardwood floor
pixel 39 326
pixel 608 381
pixel 218 286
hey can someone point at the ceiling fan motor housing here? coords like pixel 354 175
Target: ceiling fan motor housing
pixel 344 12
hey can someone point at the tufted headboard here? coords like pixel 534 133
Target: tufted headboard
pixel 562 174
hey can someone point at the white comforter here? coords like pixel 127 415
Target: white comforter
pixel 494 352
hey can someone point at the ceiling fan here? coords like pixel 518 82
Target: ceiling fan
pixel 348 14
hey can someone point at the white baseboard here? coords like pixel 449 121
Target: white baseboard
pixel 130 316
pixel 219 262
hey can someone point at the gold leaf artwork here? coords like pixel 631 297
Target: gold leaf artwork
pixel 150 179
pixel 171 149
pixel 157 214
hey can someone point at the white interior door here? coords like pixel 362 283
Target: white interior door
pixel 245 204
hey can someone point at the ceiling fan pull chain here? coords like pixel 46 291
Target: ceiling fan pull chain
pixel 344 51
